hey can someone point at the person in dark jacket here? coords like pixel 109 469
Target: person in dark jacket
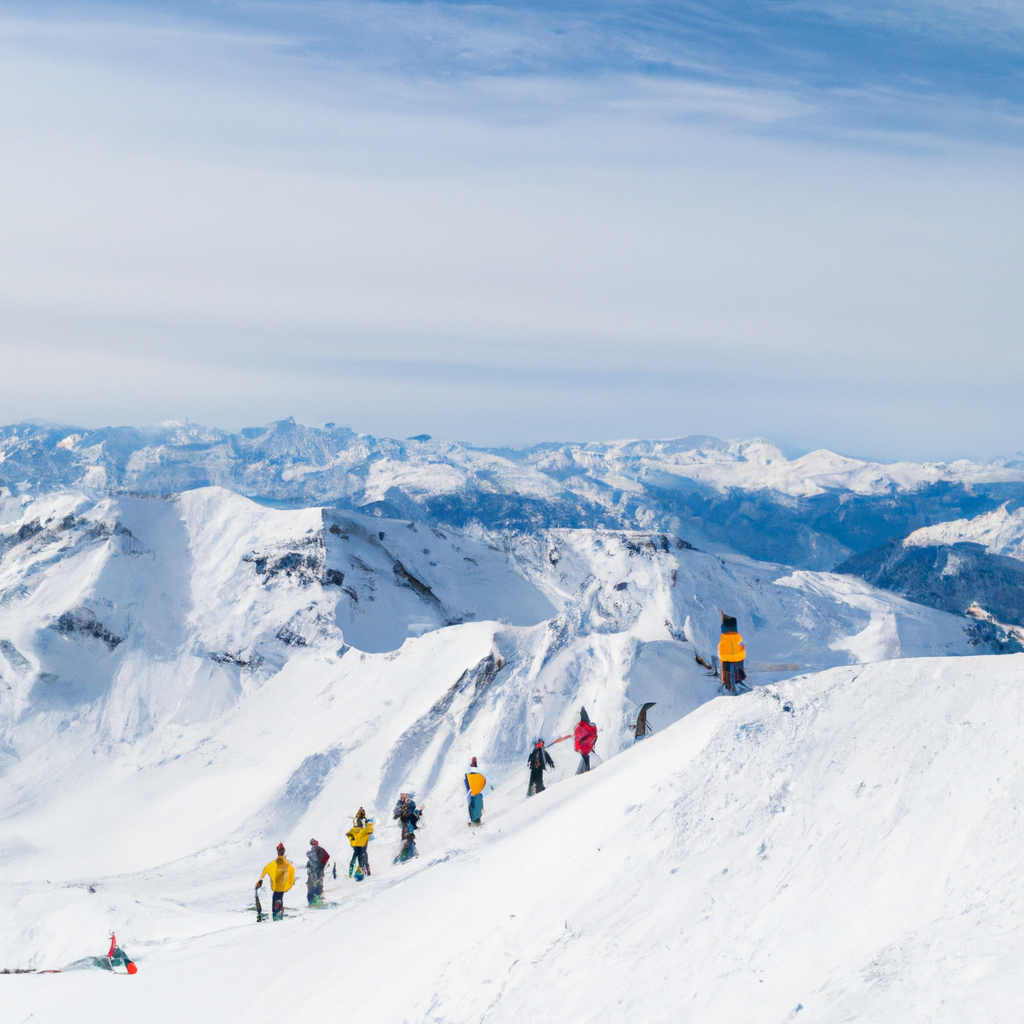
pixel 409 816
pixel 538 761
pixel 316 861
pixel 585 737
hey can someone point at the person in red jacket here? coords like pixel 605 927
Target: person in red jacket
pixel 585 737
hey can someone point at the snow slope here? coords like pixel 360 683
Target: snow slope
pixel 126 616
pixel 838 847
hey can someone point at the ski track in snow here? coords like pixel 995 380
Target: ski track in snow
pixel 185 681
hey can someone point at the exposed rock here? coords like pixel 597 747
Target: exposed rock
pixel 421 588
pixel 84 621
pixel 950 577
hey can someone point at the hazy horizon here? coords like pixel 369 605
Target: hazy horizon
pixel 789 451
pixel 515 221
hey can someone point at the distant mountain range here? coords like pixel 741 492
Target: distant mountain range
pixel 812 512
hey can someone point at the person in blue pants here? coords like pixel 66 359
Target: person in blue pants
pixel 475 783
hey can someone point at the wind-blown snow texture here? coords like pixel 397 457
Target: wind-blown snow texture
pixel 186 679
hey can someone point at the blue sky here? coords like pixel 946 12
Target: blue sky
pixel 509 223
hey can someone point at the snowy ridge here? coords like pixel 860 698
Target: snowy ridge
pixel 757 464
pixel 1000 531
pixel 137 609
pixel 144 622
pixel 738 496
pixel 288 462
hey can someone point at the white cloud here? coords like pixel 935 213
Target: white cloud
pixel 199 223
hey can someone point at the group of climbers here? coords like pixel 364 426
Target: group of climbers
pixel 731 656
pixel 539 761
pixel 282 877
pixel 281 871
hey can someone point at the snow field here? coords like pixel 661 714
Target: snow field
pixel 858 856
pixel 852 855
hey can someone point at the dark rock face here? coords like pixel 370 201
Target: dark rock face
pixel 994 637
pixel 948 577
pixel 303 567
pixel 82 620
pixel 28 531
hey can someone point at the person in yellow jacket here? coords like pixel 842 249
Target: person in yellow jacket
pixel 282 878
pixel 359 836
pixel 731 653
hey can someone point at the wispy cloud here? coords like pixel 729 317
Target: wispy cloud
pixel 603 212
pixel 869 66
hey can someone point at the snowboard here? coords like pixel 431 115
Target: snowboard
pixel 259 908
pixel 641 729
pixel 407 852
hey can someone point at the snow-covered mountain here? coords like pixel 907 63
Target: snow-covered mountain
pixel 952 577
pixel 145 609
pixel 188 677
pixel 1000 531
pixel 742 496
pixel 955 564
pixel 131 627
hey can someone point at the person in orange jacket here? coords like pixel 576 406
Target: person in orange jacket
pixel 475 782
pixel 731 653
pixel 282 878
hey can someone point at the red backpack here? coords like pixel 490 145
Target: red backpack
pixel 586 737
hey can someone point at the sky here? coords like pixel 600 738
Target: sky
pixel 508 223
